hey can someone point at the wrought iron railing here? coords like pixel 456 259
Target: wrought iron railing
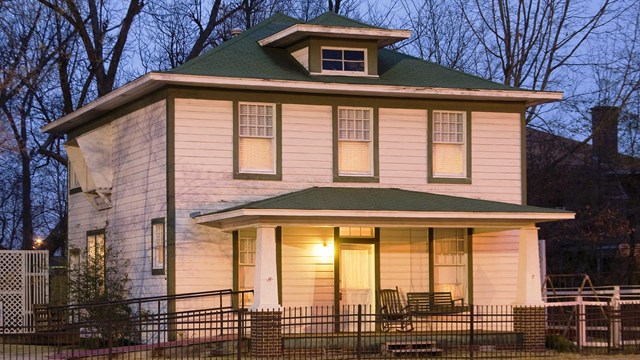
pixel 215 325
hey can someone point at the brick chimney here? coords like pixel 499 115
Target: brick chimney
pixel 604 126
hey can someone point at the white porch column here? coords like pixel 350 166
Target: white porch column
pixel 265 295
pixel 529 289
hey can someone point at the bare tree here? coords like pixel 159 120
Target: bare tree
pixel 26 55
pixel 531 41
pixel 103 42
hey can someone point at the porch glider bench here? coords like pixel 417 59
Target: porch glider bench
pixel 434 303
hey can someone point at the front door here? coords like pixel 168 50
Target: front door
pixel 357 281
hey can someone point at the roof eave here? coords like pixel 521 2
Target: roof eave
pixel 153 81
pixel 220 219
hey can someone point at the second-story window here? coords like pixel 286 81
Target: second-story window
pixel 343 60
pixel 355 146
pixel 449 140
pixel 256 143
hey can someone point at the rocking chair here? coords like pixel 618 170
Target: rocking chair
pixel 394 314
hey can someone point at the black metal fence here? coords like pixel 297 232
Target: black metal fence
pixel 216 325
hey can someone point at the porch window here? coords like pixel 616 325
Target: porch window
pixel 449 145
pixel 96 253
pixel 355 148
pixel 157 246
pixel 450 255
pixel 257 137
pixel 245 247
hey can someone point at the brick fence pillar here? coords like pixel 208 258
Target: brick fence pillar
pixel 266 333
pixel 530 321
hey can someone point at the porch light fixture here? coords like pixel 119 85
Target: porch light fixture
pixel 324 252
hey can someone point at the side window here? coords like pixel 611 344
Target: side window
pixel 245 263
pixel 354 146
pixel 157 246
pixel 449 146
pixel 257 141
pixel 96 253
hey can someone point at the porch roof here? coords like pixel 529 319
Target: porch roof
pixel 343 206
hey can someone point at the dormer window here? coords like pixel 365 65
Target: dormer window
pixel 344 61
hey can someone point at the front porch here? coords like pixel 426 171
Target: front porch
pixel 341 246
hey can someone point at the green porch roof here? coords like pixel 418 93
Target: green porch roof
pixel 385 199
pixel 243 57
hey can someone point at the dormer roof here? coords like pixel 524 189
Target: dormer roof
pixel 333 26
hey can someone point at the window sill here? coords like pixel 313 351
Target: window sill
pixel 157 272
pixel 442 180
pixel 257 176
pixel 356 179
pixel 344 73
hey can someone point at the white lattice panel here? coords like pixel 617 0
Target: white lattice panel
pixel 24 281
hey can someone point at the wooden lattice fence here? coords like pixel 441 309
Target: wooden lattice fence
pixel 24 282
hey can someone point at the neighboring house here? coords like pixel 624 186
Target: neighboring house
pixel 308 162
pixel 602 186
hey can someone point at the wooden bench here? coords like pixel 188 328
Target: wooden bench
pixel 434 303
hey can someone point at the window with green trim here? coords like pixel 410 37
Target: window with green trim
pixel 355 141
pixel 256 138
pixel 341 61
pixel 157 246
pixel 449 144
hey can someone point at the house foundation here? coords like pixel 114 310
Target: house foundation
pixel 530 321
pixel 266 333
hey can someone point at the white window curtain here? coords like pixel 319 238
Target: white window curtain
pixel 355 150
pixel 256 143
pixel 449 144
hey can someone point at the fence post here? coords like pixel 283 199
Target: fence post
pixel 615 338
pixel 581 331
pixel 239 346
pixel 471 330
pixel 110 337
pixel 358 340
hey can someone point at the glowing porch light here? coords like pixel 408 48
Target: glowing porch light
pixel 324 252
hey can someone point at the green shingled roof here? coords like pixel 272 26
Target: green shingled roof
pixel 380 199
pixel 243 57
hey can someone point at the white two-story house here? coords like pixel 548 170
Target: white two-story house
pixel 308 162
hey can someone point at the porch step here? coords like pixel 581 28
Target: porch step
pixel 411 347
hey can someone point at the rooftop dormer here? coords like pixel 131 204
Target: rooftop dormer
pixel 334 45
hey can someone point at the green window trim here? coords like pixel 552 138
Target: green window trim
pixel 154 269
pixel 448 180
pixel 277 176
pixel 375 177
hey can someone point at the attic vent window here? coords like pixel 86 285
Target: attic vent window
pixel 343 60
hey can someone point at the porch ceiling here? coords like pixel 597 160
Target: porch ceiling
pixel 334 206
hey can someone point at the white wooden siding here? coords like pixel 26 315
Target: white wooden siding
pixel 307 150
pixel 403 147
pixel 404 259
pixel 204 182
pixel 307 279
pixel 138 195
pixel 495 266
pixel 139 192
